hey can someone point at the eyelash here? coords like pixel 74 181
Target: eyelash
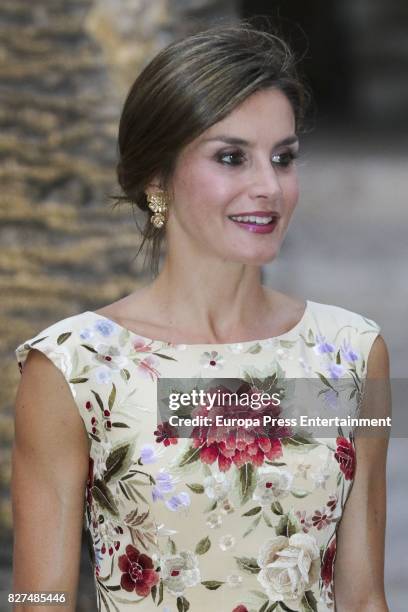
pixel 289 155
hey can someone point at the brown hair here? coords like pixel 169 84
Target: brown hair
pixel 187 87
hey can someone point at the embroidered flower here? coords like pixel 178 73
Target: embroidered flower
pixel 234 580
pixel 321 519
pixel 212 359
pixel 108 533
pixel 179 501
pixel 138 573
pixel 147 367
pixel 328 562
pixel 289 566
pixel 148 454
pixel 346 457
pixel 336 370
pixel 180 571
pixel 226 542
pixel 228 442
pixel 332 503
pixel 102 452
pixel 103 375
pixel 320 478
pixel 348 352
pixel 105 327
pixel 322 347
pixel 216 486
pixel 141 345
pixel 166 433
pixel 302 469
pixel 110 356
pixel 305 522
pixel 273 483
pixel 214 520
pixel 164 484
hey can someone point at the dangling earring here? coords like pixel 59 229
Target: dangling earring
pixel 158 205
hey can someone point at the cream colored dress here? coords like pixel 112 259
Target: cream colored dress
pixel 197 523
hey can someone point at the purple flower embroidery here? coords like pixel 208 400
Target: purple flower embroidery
pixel 322 346
pixel 178 501
pixel 105 328
pixel 147 454
pixel 330 398
pixel 335 370
pixel 348 352
pixel 164 484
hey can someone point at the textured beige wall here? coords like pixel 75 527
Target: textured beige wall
pixel 65 67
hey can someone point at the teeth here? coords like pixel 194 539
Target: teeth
pixel 253 219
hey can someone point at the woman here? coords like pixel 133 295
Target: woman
pixel 207 142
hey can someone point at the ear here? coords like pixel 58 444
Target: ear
pixel 154 186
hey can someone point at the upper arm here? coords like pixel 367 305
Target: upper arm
pixel 49 471
pixel 359 566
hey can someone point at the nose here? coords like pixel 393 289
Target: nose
pixel 265 182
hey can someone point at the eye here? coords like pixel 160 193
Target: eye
pixel 236 158
pixel 284 159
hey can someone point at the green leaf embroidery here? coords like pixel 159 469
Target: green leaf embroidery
pixel 164 356
pixel 203 546
pixel 182 604
pixel 309 602
pixel 276 507
pixel 212 585
pixel 112 397
pixel 125 374
pixel 248 564
pixel 196 487
pixel 119 461
pixel 253 511
pixel 63 338
pixel 104 497
pixel 246 482
pixel 98 399
pixel 192 454
pixel 252 526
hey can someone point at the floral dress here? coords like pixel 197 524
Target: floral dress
pixel 240 523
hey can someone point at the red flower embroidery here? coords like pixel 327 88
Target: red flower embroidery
pixel 346 457
pixel 90 480
pixel 321 519
pixel 139 574
pixel 240 608
pixel 328 562
pixel 238 444
pixel 166 433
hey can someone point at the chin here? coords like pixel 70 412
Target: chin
pixel 255 259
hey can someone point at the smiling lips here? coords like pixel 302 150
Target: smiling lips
pixel 261 222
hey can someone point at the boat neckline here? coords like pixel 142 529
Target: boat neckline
pixel 148 340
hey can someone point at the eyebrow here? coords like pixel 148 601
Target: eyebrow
pixel 240 141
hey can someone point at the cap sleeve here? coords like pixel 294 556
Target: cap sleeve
pixel 59 343
pixel 369 330
pixel 52 347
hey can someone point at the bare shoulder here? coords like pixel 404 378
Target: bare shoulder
pixel 47 420
pixel 378 362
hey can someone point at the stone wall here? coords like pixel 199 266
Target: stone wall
pixel 65 67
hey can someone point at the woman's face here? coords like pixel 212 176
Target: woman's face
pixel 242 165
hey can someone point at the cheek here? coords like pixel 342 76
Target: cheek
pixel 202 189
pixel 290 190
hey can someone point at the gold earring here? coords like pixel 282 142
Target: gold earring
pixel 158 205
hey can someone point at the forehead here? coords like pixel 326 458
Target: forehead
pixel 265 115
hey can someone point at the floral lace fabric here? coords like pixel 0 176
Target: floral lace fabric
pixel 178 524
